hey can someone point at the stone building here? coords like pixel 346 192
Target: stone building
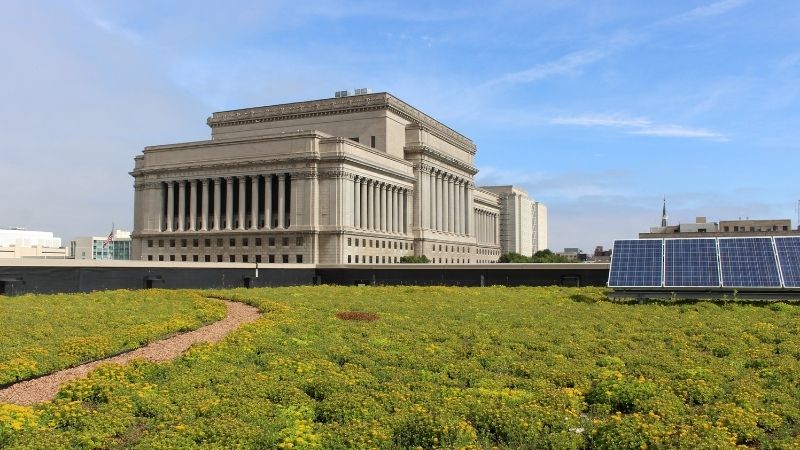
pixel 364 179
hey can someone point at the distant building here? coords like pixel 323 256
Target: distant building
pixel 574 254
pixel 523 221
pixel 701 227
pixel 601 255
pixel 21 243
pixel 95 247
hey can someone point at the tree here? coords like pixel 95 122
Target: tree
pixel 542 256
pixel 414 259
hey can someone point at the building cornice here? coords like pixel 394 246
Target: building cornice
pixel 342 105
pixel 423 149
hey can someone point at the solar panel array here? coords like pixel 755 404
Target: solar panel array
pixel 737 262
pixel 638 263
pixel 789 257
pixel 691 263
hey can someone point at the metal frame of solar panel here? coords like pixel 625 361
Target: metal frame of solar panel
pixel 639 263
pixel 691 263
pixel 788 250
pixel 748 262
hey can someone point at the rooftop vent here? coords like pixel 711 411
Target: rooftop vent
pixel 363 91
pixel 340 94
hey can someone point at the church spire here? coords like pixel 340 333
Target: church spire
pixel 664 213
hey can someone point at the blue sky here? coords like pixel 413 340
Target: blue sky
pixel 597 108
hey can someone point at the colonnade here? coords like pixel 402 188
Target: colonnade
pixel 448 205
pixel 257 202
pixel 379 206
pixel 486 226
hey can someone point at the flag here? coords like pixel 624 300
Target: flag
pixel 109 238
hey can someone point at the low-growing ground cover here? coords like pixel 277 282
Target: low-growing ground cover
pixel 43 333
pixel 444 367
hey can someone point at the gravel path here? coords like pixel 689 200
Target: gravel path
pixel 45 388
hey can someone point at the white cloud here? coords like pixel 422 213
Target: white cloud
pixel 710 10
pixel 639 126
pixel 567 64
pixel 118 30
pixel 680 132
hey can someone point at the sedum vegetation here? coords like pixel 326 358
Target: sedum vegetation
pixel 441 367
pixel 40 334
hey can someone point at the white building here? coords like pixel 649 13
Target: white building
pixel 95 247
pixel 21 243
pixel 523 221
pixel 539 226
pixel 363 179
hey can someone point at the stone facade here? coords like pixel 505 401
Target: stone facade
pixel 365 179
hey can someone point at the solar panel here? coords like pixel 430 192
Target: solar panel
pixel 748 262
pixel 789 257
pixel 636 263
pixel 691 263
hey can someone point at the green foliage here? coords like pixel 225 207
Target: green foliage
pixel 414 259
pixel 44 333
pixel 448 367
pixel 542 256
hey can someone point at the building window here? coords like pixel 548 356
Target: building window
pixel 195 258
pixel 354 139
pixel 383 244
pixel 258 259
pixel 207 258
pixel 172 257
pixel 285 242
pixel 271 242
pixel 245 242
pixel 258 242
pixel 271 258
pixel 219 258
pixel 232 258
pixel 149 242
pixel 372 141
pixel 349 259
pixel 219 242
pixel 183 258
pixel 232 242
pixel 298 259
pixel 149 257
pixel 160 242
pixel 207 242
pixel 285 259
pixel 299 241
pixel 370 243
pixel 160 257
pixel 183 243
pixel 370 259
pixel 172 242
pixel 356 259
pixel 383 260
pixel 195 242
pixel 349 242
pixel 244 258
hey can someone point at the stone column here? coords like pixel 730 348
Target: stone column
pixel 204 211
pixel 432 200
pixel 457 206
pixel 267 202
pixel 470 211
pixel 438 201
pixel 357 203
pixel 182 205
pixel 384 208
pixel 281 200
pixel 376 206
pixel 288 200
pixel 402 212
pixel 228 203
pixel 396 224
pixel 217 201
pixel 242 206
pixel 170 204
pixel 451 205
pixel 389 203
pixel 445 203
pixel 254 203
pixel 193 205
pixel 362 186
